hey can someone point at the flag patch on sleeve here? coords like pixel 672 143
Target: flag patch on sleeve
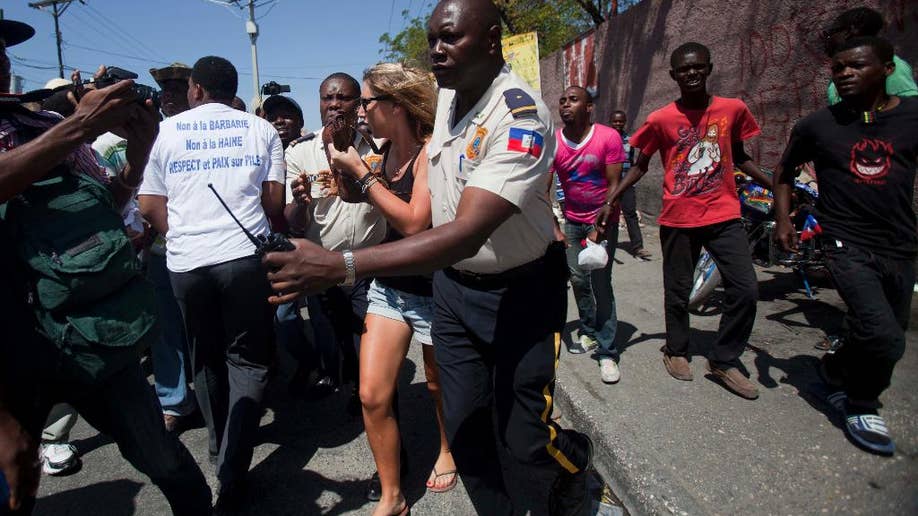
pixel 524 140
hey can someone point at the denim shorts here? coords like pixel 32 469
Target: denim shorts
pixel 415 311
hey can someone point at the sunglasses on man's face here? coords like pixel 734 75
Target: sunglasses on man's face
pixel 365 101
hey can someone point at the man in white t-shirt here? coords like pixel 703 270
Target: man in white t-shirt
pixel 218 281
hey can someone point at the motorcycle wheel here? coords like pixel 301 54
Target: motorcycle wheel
pixel 706 279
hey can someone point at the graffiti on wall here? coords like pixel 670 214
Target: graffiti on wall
pixel 579 63
pixel 783 70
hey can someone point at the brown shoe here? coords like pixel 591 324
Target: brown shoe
pixel 676 366
pixel 734 381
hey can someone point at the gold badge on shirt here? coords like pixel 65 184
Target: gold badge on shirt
pixel 374 161
pixel 474 146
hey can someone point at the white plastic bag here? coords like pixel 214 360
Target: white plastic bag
pixel 593 256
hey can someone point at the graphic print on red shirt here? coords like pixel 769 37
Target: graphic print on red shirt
pixel 696 150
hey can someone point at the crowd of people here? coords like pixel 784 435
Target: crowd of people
pixel 420 211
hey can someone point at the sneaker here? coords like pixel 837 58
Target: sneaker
pixel 59 459
pixel 734 381
pixel 570 495
pixel 870 432
pixel 609 370
pixel 642 253
pixel 677 366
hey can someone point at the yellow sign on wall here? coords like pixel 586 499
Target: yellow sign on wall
pixel 521 52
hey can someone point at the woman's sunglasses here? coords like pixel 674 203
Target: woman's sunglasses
pixel 365 101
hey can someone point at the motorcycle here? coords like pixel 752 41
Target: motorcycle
pixel 757 211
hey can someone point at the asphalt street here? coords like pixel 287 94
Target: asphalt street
pixel 665 447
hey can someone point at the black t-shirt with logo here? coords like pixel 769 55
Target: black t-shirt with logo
pixel 866 174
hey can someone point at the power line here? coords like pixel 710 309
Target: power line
pixel 96 25
pixel 117 54
pixel 273 5
pixel 56 11
pixel 118 28
pixel 227 6
pixel 36 67
pixel 391 10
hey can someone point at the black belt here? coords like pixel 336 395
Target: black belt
pixel 537 267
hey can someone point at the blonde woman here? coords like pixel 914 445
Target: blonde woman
pixel 398 103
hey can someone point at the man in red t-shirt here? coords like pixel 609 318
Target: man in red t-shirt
pixel 700 139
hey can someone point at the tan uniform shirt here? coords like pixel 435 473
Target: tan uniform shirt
pixel 504 145
pixel 335 225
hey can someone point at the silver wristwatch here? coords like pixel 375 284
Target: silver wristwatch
pixel 350 269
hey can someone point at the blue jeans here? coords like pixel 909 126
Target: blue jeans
pixel 593 289
pixel 288 329
pixel 170 351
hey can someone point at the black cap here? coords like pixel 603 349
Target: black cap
pixel 14 32
pixel 276 100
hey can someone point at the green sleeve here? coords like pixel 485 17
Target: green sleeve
pixel 832 94
pixel 901 82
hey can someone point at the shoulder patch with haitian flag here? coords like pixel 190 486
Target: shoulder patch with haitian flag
pixel 526 141
pixel 519 102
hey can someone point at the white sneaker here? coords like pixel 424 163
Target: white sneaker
pixel 59 458
pixel 609 370
pixel 588 343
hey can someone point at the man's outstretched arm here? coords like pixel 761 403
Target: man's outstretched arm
pixel 98 112
pixel 310 268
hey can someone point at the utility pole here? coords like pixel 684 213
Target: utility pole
pixel 57 9
pixel 252 29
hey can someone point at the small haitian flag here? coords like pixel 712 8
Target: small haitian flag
pixel 811 229
pixel 524 140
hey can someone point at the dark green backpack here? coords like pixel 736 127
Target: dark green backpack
pixel 87 287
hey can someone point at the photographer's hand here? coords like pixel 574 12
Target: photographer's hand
pixel 102 110
pixel 140 132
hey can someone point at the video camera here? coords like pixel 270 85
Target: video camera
pixel 272 88
pixel 114 74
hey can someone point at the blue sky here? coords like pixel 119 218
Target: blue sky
pixel 299 43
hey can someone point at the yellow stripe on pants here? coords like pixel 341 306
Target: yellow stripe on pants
pixel 552 433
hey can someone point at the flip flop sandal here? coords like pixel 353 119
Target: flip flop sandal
pixel 447 487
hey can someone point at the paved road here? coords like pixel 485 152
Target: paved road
pixel 666 447
pixel 671 447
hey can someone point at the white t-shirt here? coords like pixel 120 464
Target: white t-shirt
pixel 233 150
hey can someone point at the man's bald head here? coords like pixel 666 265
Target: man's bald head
pixel 483 12
pixel 464 43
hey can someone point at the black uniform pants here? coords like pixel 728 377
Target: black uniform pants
pixel 878 293
pixel 230 328
pixel 729 246
pixel 497 342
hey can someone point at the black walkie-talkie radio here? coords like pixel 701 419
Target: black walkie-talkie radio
pixel 264 244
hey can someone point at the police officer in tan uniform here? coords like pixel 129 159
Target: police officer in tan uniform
pixel 315 212
pixel 500 285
